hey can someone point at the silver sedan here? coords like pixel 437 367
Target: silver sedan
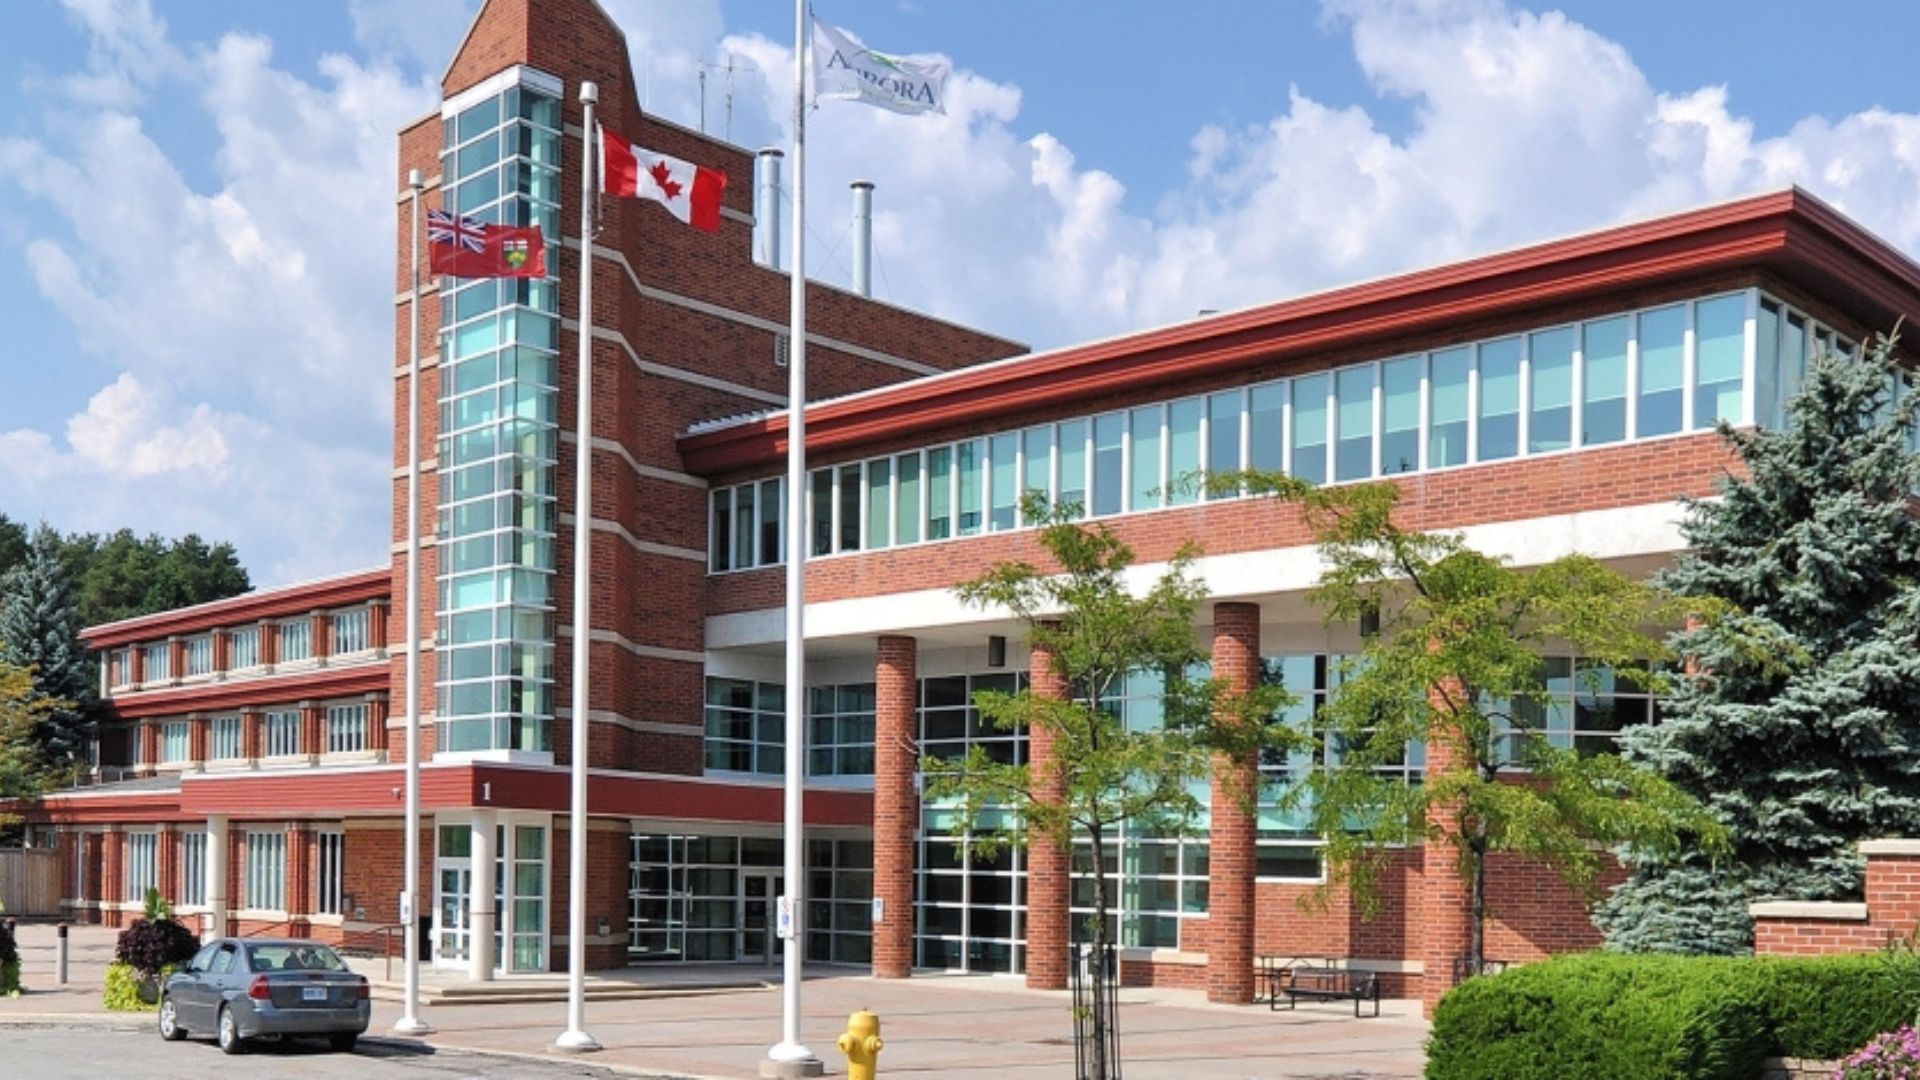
pixel 237 989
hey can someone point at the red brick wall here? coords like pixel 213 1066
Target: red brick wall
pixel 1893 913
pixel 896 802
pixel 1236 784
pixel 1047 865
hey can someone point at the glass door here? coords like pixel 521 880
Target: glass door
pixel 759 906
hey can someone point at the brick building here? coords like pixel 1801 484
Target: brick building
pixel 1545 400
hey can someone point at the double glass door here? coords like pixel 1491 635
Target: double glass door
pixel 519 885
pixel 760 942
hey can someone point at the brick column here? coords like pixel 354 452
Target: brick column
pixel 149 745
pixel 176 659
pixel 377 626
pixel 222 653
pixel 94 877
pixel 166 871
pixel 137 661
pixel 1444 903
pixel 1047 861
pixel 113 875
pixel 253 734
pixel 313 741
pixel 199 739
pixel 1236 780
pixel 377 722
pixel 300 894
pixel 269 643
pixel 896 802
pixel 322 638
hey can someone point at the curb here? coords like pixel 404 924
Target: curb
pixel 584 1061
pixel 100 1021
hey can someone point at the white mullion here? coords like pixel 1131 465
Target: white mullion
pixel 1633 377
pixel 1750 359
pixel 1246 428
pixel 1577 408
pixel 1378 414
pixel 1473 404
pixel 1286 426
pixel 1689 364
pixel 1424 425
pixel 1206 437
pixel 1166 454
pixel 1330 449
pixel 1525 425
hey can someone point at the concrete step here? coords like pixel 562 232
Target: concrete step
pixel 520 992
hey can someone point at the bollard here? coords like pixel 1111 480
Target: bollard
pixel 861 1043
pixel 60 956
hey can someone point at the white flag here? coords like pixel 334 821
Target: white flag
pixel 844 68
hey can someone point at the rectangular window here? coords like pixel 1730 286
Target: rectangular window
pixel 193 868
pixel 744 536
pixel 1400 416
pixel 1720 327
pixel 296 640
pixel 1183 451
pixel 244 648
pixel 199 655
pixel 820 509
pixel 745 726
pixel 1353 450
pixel 226 744
pixel 1003 481
pixel 346 728
pixel 333 873
pixel 968 461
pixel 1450 371
pixel 720 530
pixel 282 733
pixel 143 863
pixel 176 741
pixel 123 667
pixel 266 871
pixel 880 503
pixel 939 493
pixel 840 730
pixel 1223 438
pixel 1310 428
pixel 1766 365
pixel 1144 486
pixel 906 507
pixel 1603 357
pixel 352 631
pixel 849 513
pixel 1073 466
pixel 773 508
pixel 159 664
pixel 1793 362
pixel 1036 463
pixel 1266 427
pixel 1550 390
pixel 1109 459
pixel 1662 371
pixel 1499 400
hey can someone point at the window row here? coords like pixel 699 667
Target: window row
pixel 351 631
pixel 265 870
pixel 1644 374
pixel 345 728
pixel 746 728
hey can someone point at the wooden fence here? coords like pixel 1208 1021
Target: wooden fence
pixel 30 881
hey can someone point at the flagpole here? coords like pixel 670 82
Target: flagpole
pixel 790 1057
pixel 410 1022
pixel 575 1038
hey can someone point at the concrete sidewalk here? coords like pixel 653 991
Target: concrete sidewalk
pixel 935 1026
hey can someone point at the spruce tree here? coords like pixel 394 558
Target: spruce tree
pixel 40 631
pixel 1797 721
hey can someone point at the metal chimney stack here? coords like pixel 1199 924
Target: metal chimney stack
pixel 766 209
pixel 863 237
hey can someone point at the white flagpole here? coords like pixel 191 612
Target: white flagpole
pixel 410 1022
pixel 575 1038
pixel 790 1057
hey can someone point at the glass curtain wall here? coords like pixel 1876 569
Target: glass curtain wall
pixel 499 433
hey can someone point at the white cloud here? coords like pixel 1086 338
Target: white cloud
pixel 122 433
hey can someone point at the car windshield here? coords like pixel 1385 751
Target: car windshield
pixel 294 958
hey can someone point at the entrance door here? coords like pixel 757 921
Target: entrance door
pixel 456 886
pixel 759 905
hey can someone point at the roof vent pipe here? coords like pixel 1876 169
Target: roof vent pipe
pixel 766 209
pixel 863 237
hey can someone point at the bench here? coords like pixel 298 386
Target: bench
pixel 1327 984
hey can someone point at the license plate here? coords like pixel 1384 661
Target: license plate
pixel 313 993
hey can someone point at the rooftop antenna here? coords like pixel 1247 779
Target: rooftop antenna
pixel 729 67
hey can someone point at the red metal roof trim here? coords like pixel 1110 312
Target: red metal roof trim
pixel 245 608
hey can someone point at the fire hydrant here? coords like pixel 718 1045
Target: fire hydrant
pixel 861 1043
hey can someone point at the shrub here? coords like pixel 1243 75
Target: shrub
pixel 155 941
pixel 9 963
pixel 1608 1015
pixel 1893 1056
pixel 123 990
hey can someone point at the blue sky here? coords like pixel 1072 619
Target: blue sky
pixel 198 192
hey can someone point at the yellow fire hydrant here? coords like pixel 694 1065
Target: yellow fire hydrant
pixel 861 1043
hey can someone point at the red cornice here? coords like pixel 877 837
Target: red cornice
pixel 1787 230
pixel 364 678
pixel 244 609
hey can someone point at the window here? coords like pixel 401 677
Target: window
pixel 1662 371
pixel 1766 367
pixel 266 871
pixel 1720 346
pixel 176 741
pixel 1603 346
pixel 1109 459
pixel 1499 429
pixel 1550 390
pixel 1310 428
pixel 967 904
pixel 193 868
pixel 1400 416
pixel 333 863
pixel 1450 372
pixel 906 503
pixel 880 503
pixel 1223 437
pixel 198 655
pixel 969 460
pixel 1586 706
pixel 820 511
pixel 123 667
pixel 1145 485
pixel 840 730
pixel 720 542
pixel 939 493
pixel 1353 452
pixel 159 662
pixel 745 537
pixel 1036 464
pixel 243 648
pixel 746 724
pixel 352 631
pixel 1003 486
pixel 1073 466
pixel 227 740
pixel 346 728
pixel 296 640
pixel 282 733
pixel 1266 427
pixel 1183 451
pixel 848 511
pixel 143 861
pixel 773 535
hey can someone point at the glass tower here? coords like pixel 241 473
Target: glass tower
pixel 499 430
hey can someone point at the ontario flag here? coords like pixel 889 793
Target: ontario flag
pixel 468 248
pixel 688 191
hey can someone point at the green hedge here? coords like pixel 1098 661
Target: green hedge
pixel 1607 1015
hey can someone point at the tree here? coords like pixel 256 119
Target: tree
pixel 13 544
pixel 22 708
pixel 122 576
pixel 40 632
pixel 1101 772
pixel 1798 723
pixel 1456 666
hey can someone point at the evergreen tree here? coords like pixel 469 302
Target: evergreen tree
pixel 40 631
pixel 1798 720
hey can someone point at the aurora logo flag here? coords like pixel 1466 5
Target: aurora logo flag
pixel 844 68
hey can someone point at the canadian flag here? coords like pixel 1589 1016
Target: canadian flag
pixel 689 192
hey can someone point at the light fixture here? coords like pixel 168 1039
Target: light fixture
pixel 996 651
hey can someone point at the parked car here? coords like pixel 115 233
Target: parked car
pixel 237 989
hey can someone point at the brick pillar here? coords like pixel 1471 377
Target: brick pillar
pixel 1236 780
pixel 1444 905
pixel 1047 861
pixel 166 871
pixel 253 734
pixel 322 637
pixel 199 739
pixel 149 745
pixel 896 802
pixel 93 878
pixel 137 661
pixel 377 722
pixel 222 653
pixel 176 659
pixel 377 626
pixel 312 736
pixel 300 893
pixel 113 875
pixel 269 643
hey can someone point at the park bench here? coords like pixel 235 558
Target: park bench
pixel 1323 984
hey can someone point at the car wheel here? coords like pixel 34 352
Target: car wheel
pixel 230 1042
pixel 343 1042
pixel 170 1028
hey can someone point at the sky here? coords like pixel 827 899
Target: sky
pixel 199 196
